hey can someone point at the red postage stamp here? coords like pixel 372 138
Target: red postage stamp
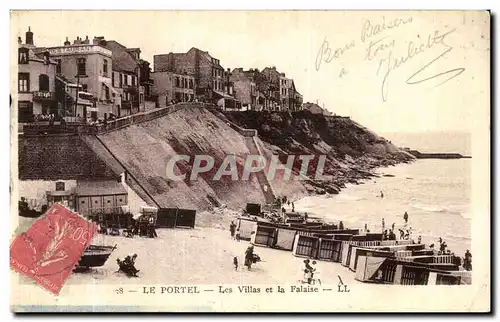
pixel 52 246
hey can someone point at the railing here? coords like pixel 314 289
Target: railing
pixel 145 116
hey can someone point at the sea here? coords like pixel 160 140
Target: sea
pixel 435 193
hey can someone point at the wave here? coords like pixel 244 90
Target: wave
pixel 461 210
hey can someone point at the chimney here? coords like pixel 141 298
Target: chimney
pixel 29 37
pixel 19 40
pixel 67 43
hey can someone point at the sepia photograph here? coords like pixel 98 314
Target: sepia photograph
pixel 250 161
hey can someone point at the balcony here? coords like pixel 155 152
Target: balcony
pixel 44 96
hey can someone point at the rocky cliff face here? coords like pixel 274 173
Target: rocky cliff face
pixel 352 151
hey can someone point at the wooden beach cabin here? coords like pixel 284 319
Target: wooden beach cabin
pixel 285 238
pixel 265 235
pixel 246 227
pixel 100 197
pixel 175 217
pixel 393 271
pixel 305 246
pixel 329 249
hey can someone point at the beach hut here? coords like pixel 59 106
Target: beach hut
pixel 285 238
pixel 306 246
pixel 375 269
pixel 175 217
pixel 253 209
pixel 263 236
pixel 360 251
pixel 246 227
pixel 436 278
pixel 346 248
pixel 329 249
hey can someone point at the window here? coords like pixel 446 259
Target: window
pixel 96 201
pixel 83 201
pixel 120 200
pixel 23 55
pixel 133 81
pixel 113 79
pixel 191 83
pixel 24 82
pixel 43 82
pixel 109 201
pixel 121 80
pixel 177 82
pixel 60 186
pixel 81 66
pixel 58 67
pixel 141 98
pixel 46 58
pixel 105 68
pixel 84 87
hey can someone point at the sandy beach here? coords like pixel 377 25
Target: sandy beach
pixel 203 255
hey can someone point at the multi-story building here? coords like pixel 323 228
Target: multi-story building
pixel 89 65
pixel 298 99
pixel 125 76
pixel 172 88
pixel 282 90
pixel 245 89
pixel 207 71
pixel 35 81
pixel 147 82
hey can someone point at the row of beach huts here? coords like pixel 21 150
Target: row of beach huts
pixel 372 259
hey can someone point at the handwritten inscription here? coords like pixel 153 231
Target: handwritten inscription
pixel 327 54
pixel 370 29
pixel 388 53
pixel 387 65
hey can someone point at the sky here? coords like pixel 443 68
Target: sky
pixel 356 63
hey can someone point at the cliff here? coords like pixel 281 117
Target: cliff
pixel 143 149
pixel 352 151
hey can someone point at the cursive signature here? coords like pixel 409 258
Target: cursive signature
pixel 391 63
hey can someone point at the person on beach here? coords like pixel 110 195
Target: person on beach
pixel 392 235
pixel 238 235
pixel 341 225
pixel 384 235
pixel 366 227
pixel 381 194
pixel 419 240
pixel 405 217
pixel 235 263
pixel 293 207
pixel 383 224
pixel 249 257
pixel 393 225
pixel 401 234
pixel 232 229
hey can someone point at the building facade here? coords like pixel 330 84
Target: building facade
pixel 89 65
pixel 171 88
pixel 125 77
pixel 147 82
pixel 35 81
pixel 207 72
pixel 245 89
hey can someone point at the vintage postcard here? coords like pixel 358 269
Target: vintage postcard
pixel 250 161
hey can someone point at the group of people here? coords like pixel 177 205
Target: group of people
pixel 389 234
pixel 127 265
pixel 146 228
